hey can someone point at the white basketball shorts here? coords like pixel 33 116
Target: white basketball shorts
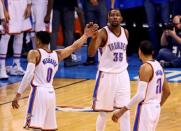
pixel 17 22
pixel 147 117
pixel 38 14
pixel 112 90
pixel 41 109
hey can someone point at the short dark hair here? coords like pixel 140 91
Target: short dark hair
pixel 113 9
pixel 146 47
pixel 44 37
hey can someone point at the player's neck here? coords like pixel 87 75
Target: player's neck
pixel 115 30
pixel 45 47
pixel 147 58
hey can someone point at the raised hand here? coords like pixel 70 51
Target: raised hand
pixel 91 29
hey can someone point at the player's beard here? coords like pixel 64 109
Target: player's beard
pixel 115 24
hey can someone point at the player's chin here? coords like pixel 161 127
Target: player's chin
pixel 115 24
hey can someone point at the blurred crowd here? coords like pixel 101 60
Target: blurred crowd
pixel 160 20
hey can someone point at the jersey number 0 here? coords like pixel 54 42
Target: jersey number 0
pixel 49 74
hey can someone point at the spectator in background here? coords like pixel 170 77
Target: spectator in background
pixel 63 12
pixel 16 21
pixel 151 7
pixel 95 11
pixel 170 54
pixel 41 12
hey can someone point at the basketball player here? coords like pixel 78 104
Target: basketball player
pixel 41 12
pixel 112 89
pixel 17 20
pixel 152 92
pixel 42 66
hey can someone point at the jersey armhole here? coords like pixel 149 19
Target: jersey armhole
pixel 38 61
pixel 152 71
pixel 125 33
pixel 57 56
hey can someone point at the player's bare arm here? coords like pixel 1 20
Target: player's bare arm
pixel 98 40
pixel 90 29
pixel 27 10
pixel 33 58
pixel 6 14
pixel 126 33
pixel 48 13
pixel 145 72
pixel 166 92
pixel 145 75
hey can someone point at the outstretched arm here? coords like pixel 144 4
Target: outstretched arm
pixel 33 57
pixel 98 40
pixel 90 29
pixel 141 90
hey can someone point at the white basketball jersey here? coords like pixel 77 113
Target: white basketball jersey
pixel 113 55
pixel 46 69
pixel 39 2
pixel 154 89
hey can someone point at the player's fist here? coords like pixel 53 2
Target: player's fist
pixel 15 104
pixel 118 113
pixel 47 19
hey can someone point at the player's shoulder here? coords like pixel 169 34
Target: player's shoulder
pixel 146 72
pixel 33 53
pixel 103 31
pixel 126 32
pixel 146 68
pixel 103 35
